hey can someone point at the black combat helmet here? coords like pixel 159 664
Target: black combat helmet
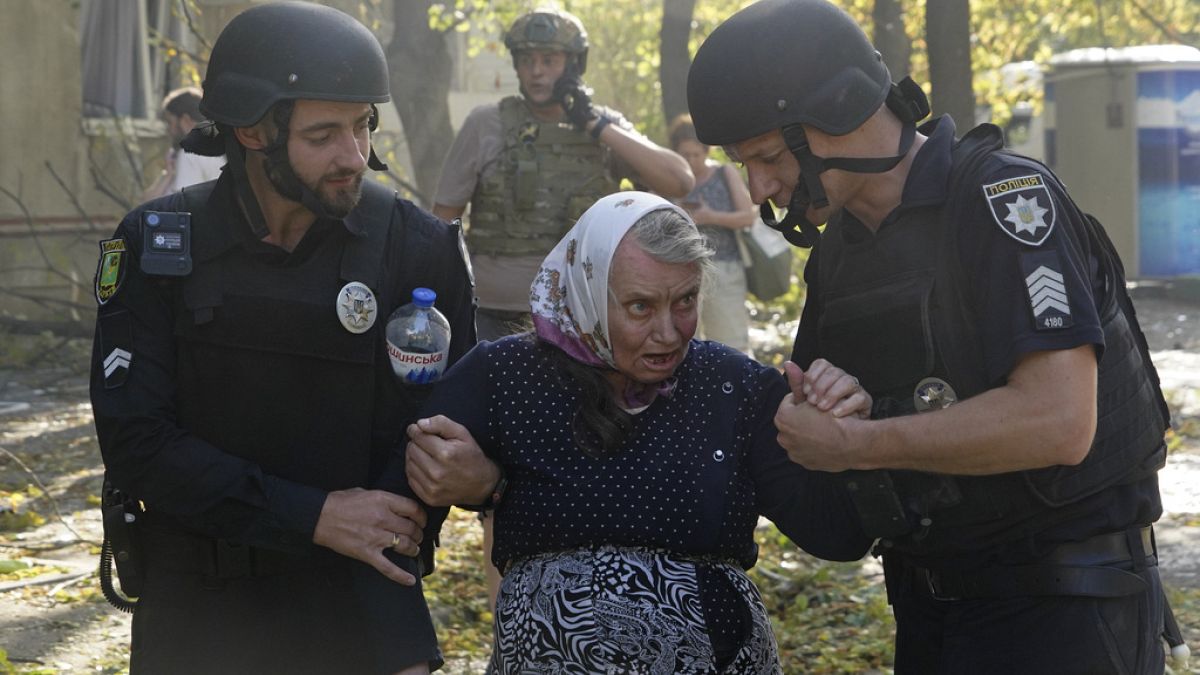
pixel 780 64
pixel 288 51
pixel 549 29
pixel 275 54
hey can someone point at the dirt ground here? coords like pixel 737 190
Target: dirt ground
pixel 52 618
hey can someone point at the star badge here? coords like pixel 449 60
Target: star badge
pixel 1026 215
pixel 1016 204
pixel 356 307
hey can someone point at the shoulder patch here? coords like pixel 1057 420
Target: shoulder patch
pixel 110 271
pixel 1022 207
pixel 1048 300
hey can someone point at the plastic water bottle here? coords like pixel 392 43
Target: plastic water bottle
pixel 418 339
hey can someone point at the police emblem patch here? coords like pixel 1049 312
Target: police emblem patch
pixel 1022 207
pixel 110 271
pixel 1048 299
pixel 356 307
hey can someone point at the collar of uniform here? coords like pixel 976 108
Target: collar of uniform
pixel 927 180
pixel 230 227
pixel 929 175
pixel 213 228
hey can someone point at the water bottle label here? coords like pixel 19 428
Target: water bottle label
pixel 416 367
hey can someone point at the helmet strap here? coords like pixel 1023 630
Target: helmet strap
pixel 235 156
pixel 373 162
pixel 810 193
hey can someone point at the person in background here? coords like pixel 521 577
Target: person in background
pixel 241 384
pixel 529 165
pixel 1009 470
pixel 630 462
pixel 720 204
pixel 180 112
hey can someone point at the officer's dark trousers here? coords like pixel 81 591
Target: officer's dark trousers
pixel 1027 636
pixel 331 618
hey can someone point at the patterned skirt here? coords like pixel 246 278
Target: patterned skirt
pixel 622 610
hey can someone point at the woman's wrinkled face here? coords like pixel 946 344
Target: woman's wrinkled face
pixel 653 308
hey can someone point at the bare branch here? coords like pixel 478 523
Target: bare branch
pixel 46 493
pixel 36 240
pixel 70 195
pixel 191 24
pixel 1170 33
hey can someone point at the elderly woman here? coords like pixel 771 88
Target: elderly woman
pixel 636 461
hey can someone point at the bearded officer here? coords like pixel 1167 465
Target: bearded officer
pixel 242 391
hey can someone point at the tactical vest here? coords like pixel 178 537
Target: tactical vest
pixel 894 314
pixel 549 173
pixel 265 341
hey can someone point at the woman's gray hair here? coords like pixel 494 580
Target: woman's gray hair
pixel 671 237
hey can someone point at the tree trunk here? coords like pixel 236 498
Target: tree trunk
pixel 420 64
pixel 674 59
pixel 948 34
pixel 891 37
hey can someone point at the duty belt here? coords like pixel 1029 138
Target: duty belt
pixel 219 560
pixel 1088 568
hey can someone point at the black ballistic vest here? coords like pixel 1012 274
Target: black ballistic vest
pixel 267 372
pixel 893 314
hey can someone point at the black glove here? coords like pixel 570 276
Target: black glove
pixel 576 100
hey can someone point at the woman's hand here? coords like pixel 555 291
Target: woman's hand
pixel 821 423
pixel 829 389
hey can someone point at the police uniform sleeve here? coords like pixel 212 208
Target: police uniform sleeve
pixel 146 453
pixel 1032 278
pixel 812 508
pixel 461 396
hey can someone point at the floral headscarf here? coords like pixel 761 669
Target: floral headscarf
pixel 569 297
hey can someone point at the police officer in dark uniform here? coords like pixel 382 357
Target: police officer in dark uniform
pixel 1009 468
pixel 241 385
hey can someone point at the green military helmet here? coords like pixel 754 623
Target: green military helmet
pixel 288 51
pixel 549 29
pixel 782 62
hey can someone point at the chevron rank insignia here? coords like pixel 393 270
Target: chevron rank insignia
pixel 1022 208
pixel 1048 300
pixel 116 365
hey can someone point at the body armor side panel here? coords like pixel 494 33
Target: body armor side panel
pixel 893 316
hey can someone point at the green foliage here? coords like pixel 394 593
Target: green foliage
pixel 623 66
pixel 828 617
pixel 6 668
pixel 456 591
pixel 16 570
pixel 15 514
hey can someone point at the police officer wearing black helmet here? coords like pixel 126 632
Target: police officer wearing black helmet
pixel 242 391
pixel 1008 473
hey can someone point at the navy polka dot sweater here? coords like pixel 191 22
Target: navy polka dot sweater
pixel 700 468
